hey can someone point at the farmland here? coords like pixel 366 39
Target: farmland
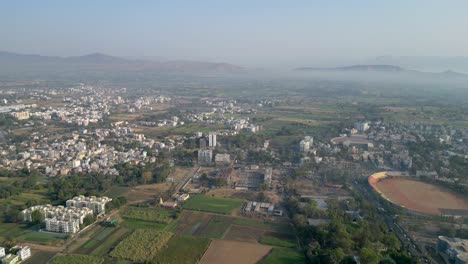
pixel 283 256
pixel 233 252
pixel 76 259
pixel 212 204
pixel 141 245
pixel 183 250
pixel 161 216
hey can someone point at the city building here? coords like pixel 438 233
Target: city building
pixel 304 146
pixel 62 225
pixel 21 115
pixel 23 252
pixel 361 127
pixel 267 176
pixel 222 159
pixel 212 140
pixel 205 156
pixel 97 204
pixel 2 252
pixel 455 249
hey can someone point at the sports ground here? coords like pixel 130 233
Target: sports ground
pixel 416 195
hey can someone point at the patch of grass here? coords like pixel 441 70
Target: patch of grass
pixel 217 226
pixel 42 237
pixel 138 224
pixel 141 245
pixel 271 226
pixel 76 259
pixel 212 204
pixel 106 245
pixel 183 250
pixel 98 237
pixel 283 256
pixel 161 216
pixel 274 241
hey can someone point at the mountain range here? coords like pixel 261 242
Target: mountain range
pixel 105 62
pixel 381 68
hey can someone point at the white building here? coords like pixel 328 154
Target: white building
pixel 62 225
pixel 304 146
pixel 24 253
pixel 205 156
pixel 222 159
pixel 21 115
pixel 97 204
pixel 2 252
pixel 361 126
pixel 212 140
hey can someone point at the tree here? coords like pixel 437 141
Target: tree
pixel 369 256
pixel 37 217
pixel 89 219
pixel 335 256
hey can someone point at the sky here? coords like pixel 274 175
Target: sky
pixel 246 32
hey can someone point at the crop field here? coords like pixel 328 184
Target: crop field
pixel 39 257
pixel 203 224
pixel 277 241
pixel 234 252
pixel 42 237
pixel 283 256
pixel 212 204
pixel 141 245
pixel 94 241
pixel 183 250
pixel 76 259
pixel 107 244
pixel 139 224
pixel 158 215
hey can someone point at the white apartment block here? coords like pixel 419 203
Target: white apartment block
pixel 97 204
pixel 21 115
pixel 24 253
pixel 205 156
pixel 304 146
pixel 212 140
pixel 62 225
pixel 2 252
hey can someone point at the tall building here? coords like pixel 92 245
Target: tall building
pixel 2 252
pixel 304 146
pixel 97 204
pixel 361 126
pixel 205 156
pixel 24 253
pixel 202 143
pixel 212 140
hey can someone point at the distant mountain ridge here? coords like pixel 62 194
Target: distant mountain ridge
pixel 107 62
pixel 382 68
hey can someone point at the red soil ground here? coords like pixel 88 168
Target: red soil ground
pixel 420 196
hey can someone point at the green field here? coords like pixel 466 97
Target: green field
pixel 98 237
pixel 283 256
pixel 212 204
pixel 43 237
pixel 137 224
pixel 284 228
pixel 141 245
pixel 105 246
pixel 39 257
pixel 183 250
pixel 158 215
pixel 217 226
pixel 279 242
pixel 76 259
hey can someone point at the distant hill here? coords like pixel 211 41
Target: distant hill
pixel 359 68
pixel 104 62
pixel 425 63
pixel 382 69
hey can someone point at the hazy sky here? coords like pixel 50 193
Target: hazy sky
pixel 250 32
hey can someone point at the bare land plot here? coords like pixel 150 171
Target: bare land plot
pixel 234 252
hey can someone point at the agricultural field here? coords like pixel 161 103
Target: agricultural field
pixel 276 241
pixel 95 240
pixel 157 215
pixel 283 256
pixel 76 259
pixel 183 250
pixel 234 252
pixel 212 204
pixel 141 245
pixel 39 257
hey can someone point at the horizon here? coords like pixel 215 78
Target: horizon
pixel 260 34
